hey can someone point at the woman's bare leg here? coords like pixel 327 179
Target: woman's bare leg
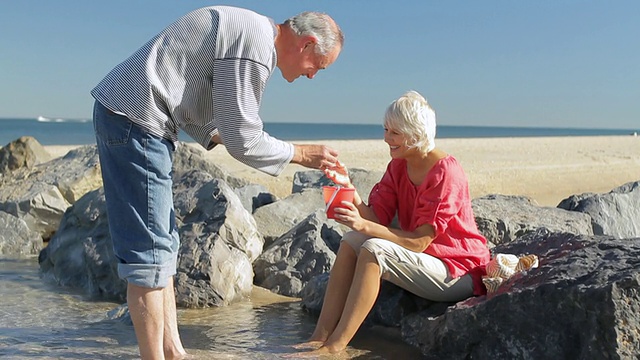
pixel 335 296
pixel 362 296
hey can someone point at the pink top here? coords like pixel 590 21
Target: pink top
pixel 443 201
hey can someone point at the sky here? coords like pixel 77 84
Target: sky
pixel 546 63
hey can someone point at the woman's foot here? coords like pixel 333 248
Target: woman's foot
pixel 311 344
pixel 323 350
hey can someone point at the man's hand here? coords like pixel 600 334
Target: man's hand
pixel 315 156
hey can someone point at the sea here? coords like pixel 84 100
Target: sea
pixel 57 131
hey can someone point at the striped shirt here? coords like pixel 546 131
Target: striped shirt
pixel 204 74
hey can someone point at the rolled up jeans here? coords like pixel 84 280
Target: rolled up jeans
pixel 136 172
pixel 419 273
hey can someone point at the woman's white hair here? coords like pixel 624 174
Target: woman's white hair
pixel 412 116
pixel 320 26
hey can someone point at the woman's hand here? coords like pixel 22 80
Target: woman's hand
pixel 347 214
pixel 338 174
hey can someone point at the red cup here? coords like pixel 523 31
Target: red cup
pixel 333 198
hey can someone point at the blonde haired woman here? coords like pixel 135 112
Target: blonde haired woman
pixel 437 253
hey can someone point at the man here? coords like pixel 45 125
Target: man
pixel 204 74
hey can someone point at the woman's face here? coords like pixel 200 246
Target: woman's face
pixel 397 142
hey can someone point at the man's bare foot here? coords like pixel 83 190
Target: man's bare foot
pixel 311 344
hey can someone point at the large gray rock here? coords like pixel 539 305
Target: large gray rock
pixel 213 206
pixel 503 218
pixel 253 196
pixel 187 157
pixel 616 213
pixel 218 241
pixel 80 254
pixel 25 152
pixel 582 302
pixel 298 256
pixel 41 207
pixel 275 219
pixel 16 238
pixel 41 196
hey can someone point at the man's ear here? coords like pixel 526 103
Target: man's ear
pixel 307 41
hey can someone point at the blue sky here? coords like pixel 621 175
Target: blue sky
pixel 481 63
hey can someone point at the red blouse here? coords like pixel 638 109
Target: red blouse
pixel 443 201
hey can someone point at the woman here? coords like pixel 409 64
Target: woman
pixel 437 253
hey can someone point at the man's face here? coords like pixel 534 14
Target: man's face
pixel 303 61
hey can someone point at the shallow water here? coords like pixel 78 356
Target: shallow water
pixel 43 321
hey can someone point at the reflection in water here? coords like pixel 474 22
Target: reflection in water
pixel 43 321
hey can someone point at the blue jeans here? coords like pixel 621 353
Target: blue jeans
pixel 136 172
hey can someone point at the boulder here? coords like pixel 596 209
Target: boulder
pixel 16 238
pixel 80 254
pixel 502 218
pixel 296 257
pixel 615 213
pixel 218 241
pixel 276 219
pixel 25 152
pixel 253 196
pixel 187 157
pixel 41 196
pixel 582 302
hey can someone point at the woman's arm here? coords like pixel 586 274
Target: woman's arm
pixel 417 240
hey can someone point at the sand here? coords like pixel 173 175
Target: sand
pixel 546 169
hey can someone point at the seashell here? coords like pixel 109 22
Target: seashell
pixel 527 262
pixel 502 266
pixel 492 284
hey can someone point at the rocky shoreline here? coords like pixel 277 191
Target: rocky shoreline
pixel 581 302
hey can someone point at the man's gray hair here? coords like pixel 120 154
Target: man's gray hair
pixel 320 26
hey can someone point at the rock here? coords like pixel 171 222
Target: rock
pixel 253 196
pixel 582 302
pixel 41 196
pixel 187 158
pixel 296 257
pixel 502 218
pixel 275 219
pixel 41 207
pixel 218 241
pixel 615 213
pixel 25 152
pixel 80 254
pixel 212 207
pixel 16 238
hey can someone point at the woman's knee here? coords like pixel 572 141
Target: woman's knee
pixel 354 239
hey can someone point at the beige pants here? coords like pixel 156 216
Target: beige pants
pixel 419 273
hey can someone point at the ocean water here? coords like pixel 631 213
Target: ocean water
pixel 43 321
pixel 80 132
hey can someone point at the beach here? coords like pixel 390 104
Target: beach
pixel 546 169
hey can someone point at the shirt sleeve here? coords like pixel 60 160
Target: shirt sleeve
pixel 383 197
pixel 442 197
pixel 236 105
